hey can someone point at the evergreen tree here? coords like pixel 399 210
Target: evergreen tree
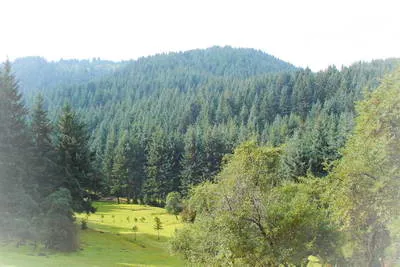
pixel 120 169
pixel 158 226
pixel 41 126
pixel 49 173
pixel 76 159
pixel 108 161
pixel 192 161
pixel 18 194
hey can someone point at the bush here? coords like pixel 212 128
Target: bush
pixel 174 203
pixel 84 224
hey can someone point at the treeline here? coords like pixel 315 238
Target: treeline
pixel 252 215
pixel 46 172
pixel 164 123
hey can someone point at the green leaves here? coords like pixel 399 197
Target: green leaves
pixel 173 203
pixel 251 216
pixel 366 177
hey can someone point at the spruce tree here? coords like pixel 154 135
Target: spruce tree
pixel 49 172
pixel 76 159
pixel 192 161
pixel 41 126
pixel 120 168
pixel 108 161
pixel 17 185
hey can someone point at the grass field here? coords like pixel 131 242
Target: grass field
pixel 109 241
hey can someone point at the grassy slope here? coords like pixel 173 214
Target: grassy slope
pixel 109 241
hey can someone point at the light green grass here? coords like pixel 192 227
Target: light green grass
pixel 109 241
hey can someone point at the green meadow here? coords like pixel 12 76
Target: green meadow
pixel 108 241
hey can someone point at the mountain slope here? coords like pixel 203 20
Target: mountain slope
pixel 172 117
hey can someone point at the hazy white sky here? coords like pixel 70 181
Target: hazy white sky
pixel 303 32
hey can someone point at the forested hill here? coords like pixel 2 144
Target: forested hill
pixel 215 61
pixel 179 124
pixel 38 74
pixel 163 123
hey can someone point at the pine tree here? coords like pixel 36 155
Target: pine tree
pixel 158 226
pixel 120 168
pixel 41 126
pixel 18 204
pixel 108 161
pixel 192 161
pixel 49 172
pixel 76 159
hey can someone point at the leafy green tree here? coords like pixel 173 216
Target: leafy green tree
pixel 173 203
pixel 365 182
pixel 251 217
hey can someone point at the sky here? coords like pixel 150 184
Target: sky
pixel 306 33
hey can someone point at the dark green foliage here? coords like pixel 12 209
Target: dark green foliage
pixel 18 194
pixel 182 112
pixel 173 203
pixel 84 224
pixel 59 230
pixel 33 205
pixel 120 169
pixel 41 126
pixel 162 167
pixel 162 124
pixel 75 156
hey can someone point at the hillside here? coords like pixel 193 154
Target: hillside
pixel 246 147
pixel 37 74
pixel 194 107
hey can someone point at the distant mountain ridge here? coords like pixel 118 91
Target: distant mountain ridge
pixel 219 61
pixel 38 74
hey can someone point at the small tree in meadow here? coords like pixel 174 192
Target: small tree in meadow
pixel 135 229
pixel 158 226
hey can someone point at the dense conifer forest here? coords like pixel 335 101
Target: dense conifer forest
pixel 267 163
